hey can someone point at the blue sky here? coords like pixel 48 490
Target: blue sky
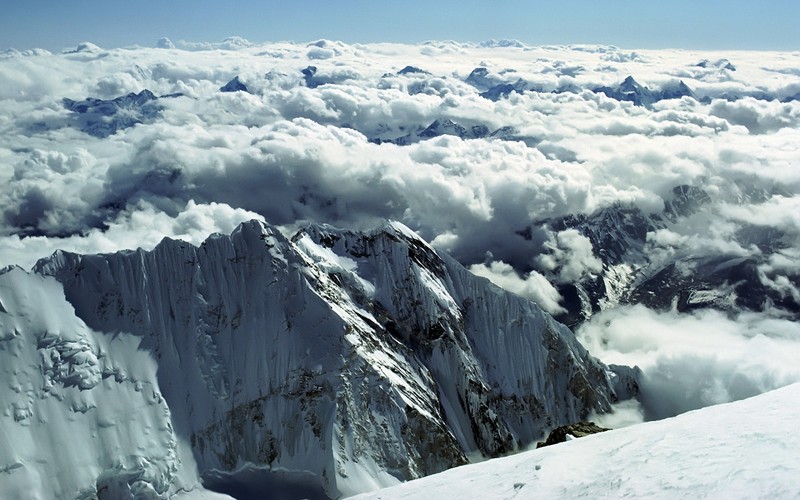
pixel 698 24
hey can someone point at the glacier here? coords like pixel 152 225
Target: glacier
pixel 341 360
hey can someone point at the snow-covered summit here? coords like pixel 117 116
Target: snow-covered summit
pixel 102 118
pixel 640 95
pixel 235 85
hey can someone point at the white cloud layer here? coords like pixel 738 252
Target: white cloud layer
pixel 570 256
pixel 143 226
pixel 332 132
pixel 694 360
pixel 533 286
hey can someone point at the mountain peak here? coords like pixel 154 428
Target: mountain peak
pixel 234 85
pixel 630 85
pixel 408 70
pixel 336 336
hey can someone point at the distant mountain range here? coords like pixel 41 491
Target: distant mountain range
pixel 630 275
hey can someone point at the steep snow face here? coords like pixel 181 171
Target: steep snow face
pixel 360 358
pixel 81 413
pixel 493 355
pixel 746 449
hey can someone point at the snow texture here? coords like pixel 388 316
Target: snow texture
pixel 81 412
pixel 745 449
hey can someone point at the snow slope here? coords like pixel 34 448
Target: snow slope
pixel 79 410
pixel 746 449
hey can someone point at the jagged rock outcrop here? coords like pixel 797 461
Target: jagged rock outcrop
pixel 721 64
pixel 619 238
pixel 102 118
pixel 640 95
pixel 481 79
pixel 577 430
pixel 438 128
pixel 412 70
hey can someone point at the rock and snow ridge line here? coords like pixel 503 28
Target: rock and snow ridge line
pixel 745 449
pixel 351 360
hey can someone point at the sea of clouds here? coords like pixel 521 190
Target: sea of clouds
pixel 317 146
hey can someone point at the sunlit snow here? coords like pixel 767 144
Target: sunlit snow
pixel 745 449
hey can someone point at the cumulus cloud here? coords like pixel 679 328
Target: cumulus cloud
pixel 758 116
pixel 143 225
pixel 570 256
pixel 532 286
pixel 291 152
pixel 229 43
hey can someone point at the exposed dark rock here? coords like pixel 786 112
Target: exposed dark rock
pixel 504 89
pixel 411 70
pixel 446 126
pixel 314 79
pixel 686 201
pixel 625 381
pixel 234 85
pixel 480 79
pixel 632 91
pixel 308 76
pixel 578 430
pixel 719 64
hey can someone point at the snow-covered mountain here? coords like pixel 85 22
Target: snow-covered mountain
pixel 342 360
pixel 495 87
pixel 632 91
pixel 102 118
pixel 448 127
pixel 235 85
pixel 744 449
pixel 719 278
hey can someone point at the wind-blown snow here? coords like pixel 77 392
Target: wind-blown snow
pixel 746 449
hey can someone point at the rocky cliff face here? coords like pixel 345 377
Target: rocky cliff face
pixel 360 359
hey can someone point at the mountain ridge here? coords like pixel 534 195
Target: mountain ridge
pixel 364 358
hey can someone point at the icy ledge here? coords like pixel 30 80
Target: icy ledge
pixel 746 449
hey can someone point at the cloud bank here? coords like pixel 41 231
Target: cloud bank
pixel 694 360
pixel 491 151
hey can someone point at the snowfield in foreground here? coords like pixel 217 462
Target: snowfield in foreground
pixel 746 449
